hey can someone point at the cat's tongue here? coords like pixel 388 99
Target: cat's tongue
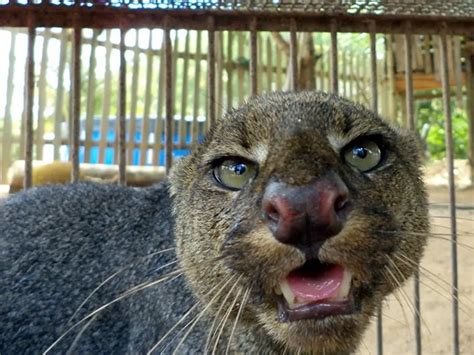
pixel 309 286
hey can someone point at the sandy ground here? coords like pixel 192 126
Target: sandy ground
pixel 436 304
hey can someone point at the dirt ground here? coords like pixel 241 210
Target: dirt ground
pixel 436 305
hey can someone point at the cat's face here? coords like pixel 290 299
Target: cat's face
pixel 308 209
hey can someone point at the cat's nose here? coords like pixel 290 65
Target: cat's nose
pixel 304 215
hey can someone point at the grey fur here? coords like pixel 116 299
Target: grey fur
pixel 58 243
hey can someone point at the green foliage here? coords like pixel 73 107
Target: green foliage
pixel 431 123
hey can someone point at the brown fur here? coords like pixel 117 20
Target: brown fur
pixel 302 133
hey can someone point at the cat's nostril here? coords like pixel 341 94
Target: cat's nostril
pixel 341 202
pixel 271 212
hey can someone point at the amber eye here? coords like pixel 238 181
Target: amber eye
pixel 234 173
pixel 363 155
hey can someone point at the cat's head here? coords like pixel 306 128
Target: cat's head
pixel 306 208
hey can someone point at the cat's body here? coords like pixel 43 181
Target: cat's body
pixel 236 239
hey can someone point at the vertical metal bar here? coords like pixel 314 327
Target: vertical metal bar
pixel 269 64
pixel 230 69
pixel 104 120
pixel 334 74
pixel 458 69
pixel 211 72
pixel 91 85
pixel 184 96
pixel 452 195
pixel 219 104
pixel 240 70
pixel 29 100
pixel 59 104
pixel 410 122
pixel 76 103
pixel 293 55
pixel 169 97
pixel 374 104
pixel 122 112
pixel 132 131
pixel 145 131
pixel 470 112
pixel 157 145
pixel 410 119
pixel 42 98
pixel 253 57
pixel 196 95
pixel 373 66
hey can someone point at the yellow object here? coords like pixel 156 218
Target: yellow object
pixel 57 172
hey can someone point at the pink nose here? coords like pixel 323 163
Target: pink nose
pixel 303 215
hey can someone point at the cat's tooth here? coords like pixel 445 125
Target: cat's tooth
pixel 345 285
pixel 287 293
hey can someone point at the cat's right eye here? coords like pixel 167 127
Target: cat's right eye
pixel 234 173
pixel 363 154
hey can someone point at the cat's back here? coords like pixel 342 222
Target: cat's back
pixel 58 244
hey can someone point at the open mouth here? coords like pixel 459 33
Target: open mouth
pixel 315 291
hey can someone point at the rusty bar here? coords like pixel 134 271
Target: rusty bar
pixel 122 143
pixel 211 72
pixel 374 104
pixel 169 98
pixel 373 67
pixel 76 103
pixel 29 101
pixel 253 57
pixel 334 74
pixel 230 69
pixel 91 86
pixel 268 20
pixel 452 194
pixel 59 104
pixel 132 125
pixel 293 55
pixel 470 112
pixel 196 96
pixel 184 94
pixel 410 122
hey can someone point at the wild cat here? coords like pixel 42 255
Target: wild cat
pixel 276 234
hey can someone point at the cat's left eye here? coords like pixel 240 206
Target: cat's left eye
pixel 234 173
pixel 363 154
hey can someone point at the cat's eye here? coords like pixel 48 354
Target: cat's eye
pixel 234 173
pixel 364 154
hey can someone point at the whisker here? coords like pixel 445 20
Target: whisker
pixel 416 311
pixel 204 311
pixel 448 227
pixel 211 330
pixel 113 276
pixel 457 218
pixel 402 292
pixel 239 312
pixel 78 336
pixel 395 294
pixel 224 320
pixel 147 282
pixel 157 344
pixel 457 242
pixel 433 278
pixel 170 276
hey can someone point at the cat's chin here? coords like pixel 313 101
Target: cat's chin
pixel 331 334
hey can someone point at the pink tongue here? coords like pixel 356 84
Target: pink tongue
pixel 324 284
